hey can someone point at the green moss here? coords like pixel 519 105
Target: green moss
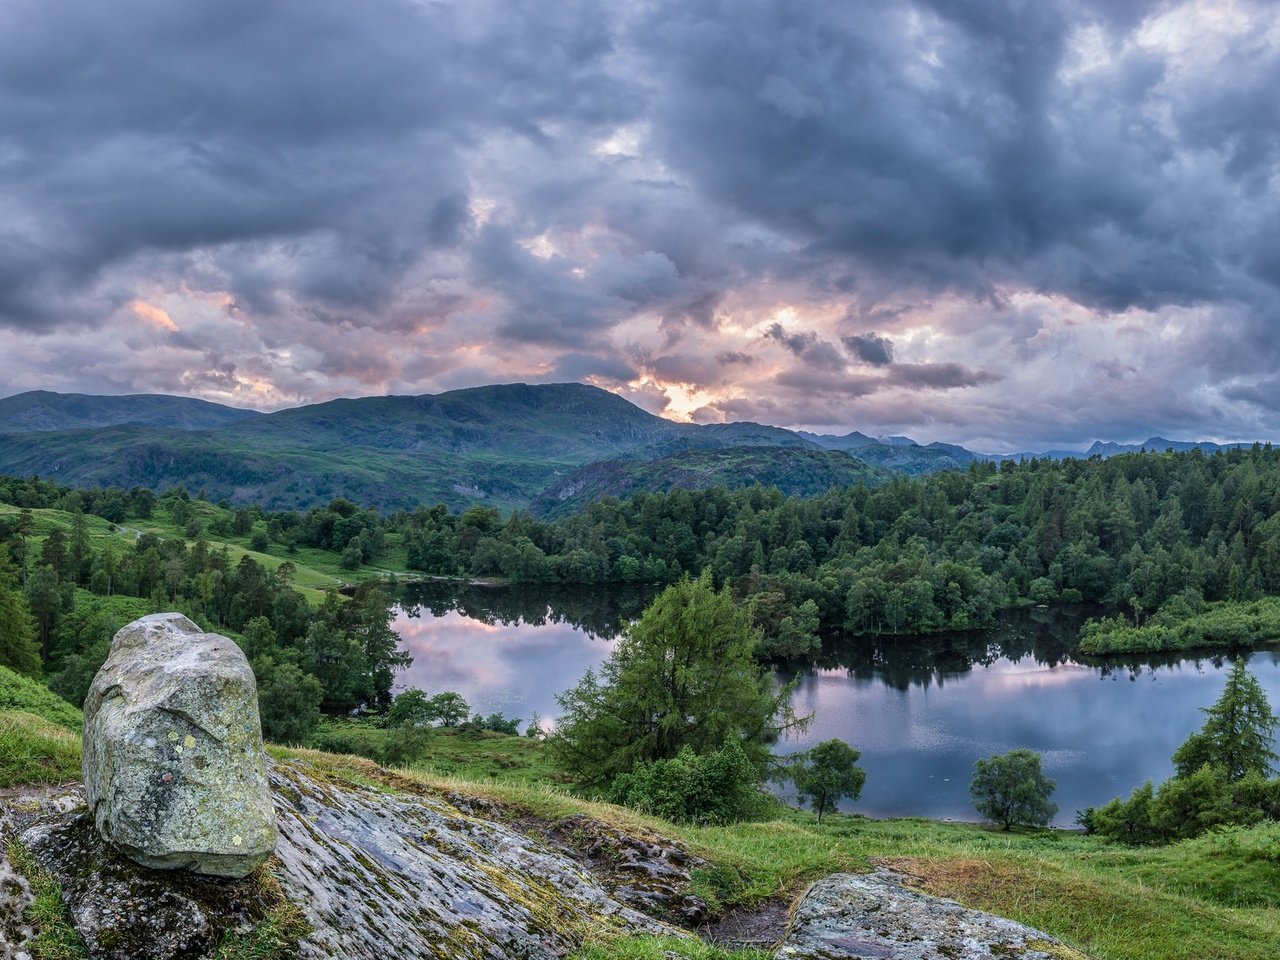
pixel 274 936
pixel 276 931
pixel 661 948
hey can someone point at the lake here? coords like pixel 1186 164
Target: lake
pixel 921 710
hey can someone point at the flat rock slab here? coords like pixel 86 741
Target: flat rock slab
pixel 371 868
pixel 864 916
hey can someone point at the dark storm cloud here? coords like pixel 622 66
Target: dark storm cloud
pixel 334 129
pixel 808 346
pixel 579 366
pixel 939 376
pixel 945 148
pixel 870 348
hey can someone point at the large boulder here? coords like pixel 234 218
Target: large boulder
pixel 174 769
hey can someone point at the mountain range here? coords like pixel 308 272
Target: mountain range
pixel 551 448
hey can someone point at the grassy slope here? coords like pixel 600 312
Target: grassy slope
pixel 1214 897
pixel 317 570
pixel 1218 896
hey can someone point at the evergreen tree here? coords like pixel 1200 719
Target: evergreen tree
pixel 45 601
pixel 18 649
pixel 288 700
pixel 1238 732
pixel 683 674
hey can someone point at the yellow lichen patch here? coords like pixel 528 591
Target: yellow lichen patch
pixel 549 908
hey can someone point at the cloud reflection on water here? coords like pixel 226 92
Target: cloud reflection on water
pixel 514 668
pixel 921 711
pixel 1100 737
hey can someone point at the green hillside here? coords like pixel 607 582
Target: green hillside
pixel 499 446
pixel 1211 897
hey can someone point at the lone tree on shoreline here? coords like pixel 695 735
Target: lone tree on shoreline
pixel 684 674
pixel 1238 732
pixel 1012 789
pixel 826 774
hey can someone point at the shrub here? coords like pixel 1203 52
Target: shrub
pixel 719 787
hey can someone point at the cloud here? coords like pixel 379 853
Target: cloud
pixel 869 348
pixel 975 221
pixel 939 376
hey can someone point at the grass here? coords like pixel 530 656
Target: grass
pixel 55 938
pixel 1189 901
pixel 35 751
pixel 276 932
pixel 315 570
pixel 468 754
pixel 22 693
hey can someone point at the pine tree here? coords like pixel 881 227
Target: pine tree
pixel 17 637
pixel 683 675
pixel 1237 735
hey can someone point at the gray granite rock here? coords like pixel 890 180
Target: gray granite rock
pixel 174 769
pixel 862 916
pixel 374 873
pixel 370 868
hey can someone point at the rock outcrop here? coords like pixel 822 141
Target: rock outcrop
pixel 860 916
pixel 174 769
pixel 374 872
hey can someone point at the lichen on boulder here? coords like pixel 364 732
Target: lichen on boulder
pixel 174 768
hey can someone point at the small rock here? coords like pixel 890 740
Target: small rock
pixel 861 916
pixel 174 769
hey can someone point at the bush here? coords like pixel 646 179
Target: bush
pixel 1042 590
pixel 494 723
pixel 719 787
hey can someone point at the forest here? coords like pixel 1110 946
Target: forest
pixel 1168 539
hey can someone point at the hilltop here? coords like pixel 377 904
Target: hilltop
pixel 501 446
pixel 509 446
pixel 39 410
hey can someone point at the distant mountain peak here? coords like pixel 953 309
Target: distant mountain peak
pixel 45 410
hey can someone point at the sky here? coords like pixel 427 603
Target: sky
pixel 1013 224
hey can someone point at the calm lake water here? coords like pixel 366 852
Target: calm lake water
pixel 920 710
